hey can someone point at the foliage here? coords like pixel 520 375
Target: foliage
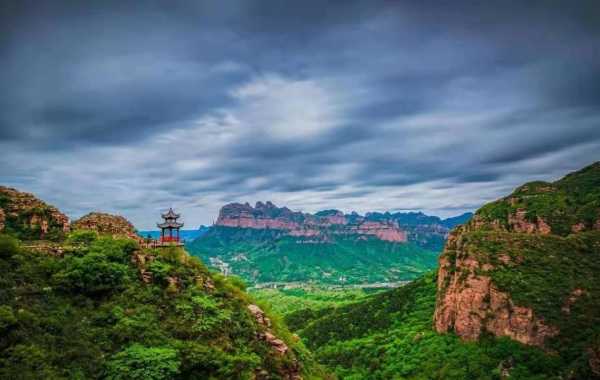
pixel 101 269
pixel 88 315
pixel 139 362
pixel 562 204
pixel 8 246
pixel 543 273
pixel 82 237
pixel 389 336
pixel 309 299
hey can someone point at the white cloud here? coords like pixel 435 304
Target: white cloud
pixel 288 109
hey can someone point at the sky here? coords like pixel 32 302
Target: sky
pixel 134 107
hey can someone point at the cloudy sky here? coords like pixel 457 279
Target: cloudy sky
pixel 132 107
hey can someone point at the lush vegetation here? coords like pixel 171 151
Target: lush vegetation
pixel 263 256
pixel 558 277
pixel 84 313
pixel 389 336
pixel 287 301
pixel 562 204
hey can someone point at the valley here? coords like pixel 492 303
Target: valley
pixel 321 296
pixel 267 244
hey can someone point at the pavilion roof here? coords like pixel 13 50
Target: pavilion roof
pixel 170 214
pixel 169 224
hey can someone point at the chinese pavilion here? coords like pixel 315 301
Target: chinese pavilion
pixel 169 229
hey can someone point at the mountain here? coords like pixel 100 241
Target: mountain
pixel 267 243
pixel 426 231
pixel 27 217
pixel 93 304
pixel 322 226
pixel 527 267
pixel 114 225
pixel 452 222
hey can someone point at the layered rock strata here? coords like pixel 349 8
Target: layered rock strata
pixel 298 224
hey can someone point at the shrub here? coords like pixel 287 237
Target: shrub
pixel 82 237
pixel 237 282
pixel 160 270
pixel 139 362
pixel 116 250
pixel 8 246
pixel 90 274
pixel 7 318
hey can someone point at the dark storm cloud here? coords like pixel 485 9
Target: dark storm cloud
pixel 437 106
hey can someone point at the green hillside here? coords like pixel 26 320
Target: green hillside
pixel 573 200
pixel 264 256
pixel 97 307
pixel 390 336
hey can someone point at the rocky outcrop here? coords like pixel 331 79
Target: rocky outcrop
pixel 26 214
pixel 103 223
pixel 490 279
pixel 519 223
pixel 297 224
pixel 470 304
pixel 278 346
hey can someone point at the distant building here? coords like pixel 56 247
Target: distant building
pixel 169 229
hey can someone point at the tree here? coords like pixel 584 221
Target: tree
pixel 140 362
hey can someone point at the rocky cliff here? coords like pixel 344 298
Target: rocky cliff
pixel 103 223
pixel 319 225
pixel 527 267
pixel 29 217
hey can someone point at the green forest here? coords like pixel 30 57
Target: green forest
pixel 389 335
pixel 79 310
pixel 262 256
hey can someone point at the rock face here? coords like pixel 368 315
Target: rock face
pixel 489 279
pixel 426 231
pixel 102 223
pixel 266 334
pixel 28 216
pixel 298 224
pixel 469 303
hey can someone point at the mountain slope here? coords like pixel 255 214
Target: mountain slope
pixel 96 306
pixel 528 267
pixel 27 217
pixel 390 336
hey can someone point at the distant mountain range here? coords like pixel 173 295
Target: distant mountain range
pixel 266 243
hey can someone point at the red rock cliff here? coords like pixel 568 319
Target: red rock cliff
pixel 502 246
pixel 470 304
pixel 330 222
